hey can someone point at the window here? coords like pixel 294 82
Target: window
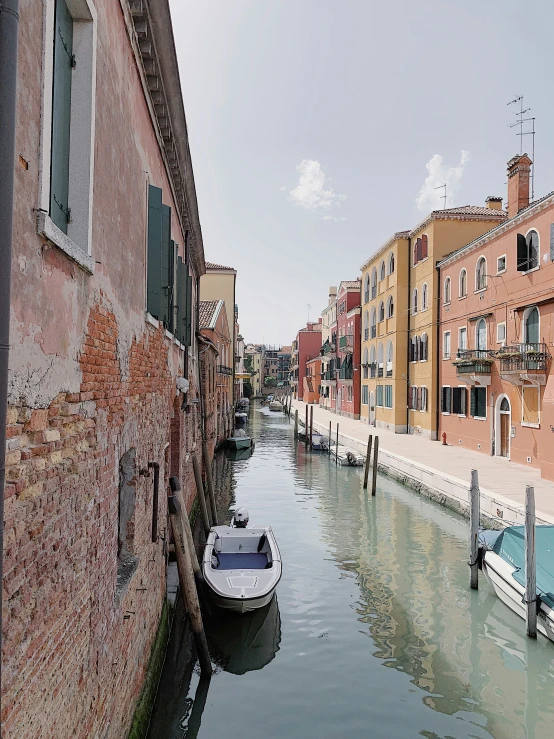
pixel 424 300
pixel 379 396
pixel 388 396
pixel 446 345
pixel 413 349
pixel 531 325
pixel 459 395
pixel 366 326
pixel 391 263
pixel 527 251
pixel 530 405
pixel 381 311
pixel 478 407
pixel 382 272
pixel 380 361
pixel 501 264
pixel 374 283
pixel 420 249
pixel 390 307
pixel 389 359
pixel 424 348
pixel 447 291
pixel 446 399
pixel 414 301
pixel 413 398
pixel 67 146
pixel 373 323
pixel 481 335
pixel 365 363
pixel 366 288
pixel 463 283
pixel 365 395
pixel 462 339
pixel 423 399
pixel 500 333
pixel 481 274
pixel 372 362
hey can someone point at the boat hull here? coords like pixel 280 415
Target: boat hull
pixel 511 593
pixel 239 442
pixel 242 605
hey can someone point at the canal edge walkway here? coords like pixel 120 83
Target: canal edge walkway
pixel 443 472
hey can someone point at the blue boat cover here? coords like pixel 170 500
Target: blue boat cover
pixel 510 546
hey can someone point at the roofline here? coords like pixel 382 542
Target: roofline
pixel 221 270
pixel 442 215
pixel 529 212
pixel 346 289
pixel 399 235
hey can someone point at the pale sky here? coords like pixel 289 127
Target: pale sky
pixel 320 127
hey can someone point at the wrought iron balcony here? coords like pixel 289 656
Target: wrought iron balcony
pixel 328 375
pixel 328 348
pixel 473 362
pixel 346 343
pixel 223 370
pixel 523 357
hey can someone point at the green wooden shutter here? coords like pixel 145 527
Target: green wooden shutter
pixel 188 315
pixel 463 400
pixel 61 115
pixel 522 254
pixel 165 269
pixel 153 278
pixel 173 249
pixel 182 271
pixel 472 402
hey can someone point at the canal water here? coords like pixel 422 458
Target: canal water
pixel 374 631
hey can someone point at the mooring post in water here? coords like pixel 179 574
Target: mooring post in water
pixel 337 447
pixel 306 429
pixel 375 465
pixel 330 434
pixel 175 486
pixel 201 496
pixel 296 424
pixel 209 480
pixel 530 563
pixel 474 517
pixel 311 424
pixel 367 460
pixel 188 586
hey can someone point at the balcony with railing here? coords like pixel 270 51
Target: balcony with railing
pixel 346 343
pixel 346 372
pixel 328 349
pixel 223 370
pixel 473 362
pixel 523 358
pixel 329 375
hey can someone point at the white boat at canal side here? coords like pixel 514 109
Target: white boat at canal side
pixel 504 566
pixel 241 567
pixel 275 405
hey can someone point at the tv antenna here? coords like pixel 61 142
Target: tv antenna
pixel 519 122
pixel 309 306
pixel 443 197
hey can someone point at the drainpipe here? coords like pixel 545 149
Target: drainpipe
pixel 9 24
pixel 437 352
pixel 409 335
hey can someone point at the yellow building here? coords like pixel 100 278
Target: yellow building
pixel 442 232
pixel 219 283
pixel 385 335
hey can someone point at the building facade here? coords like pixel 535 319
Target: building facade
pixel 348 349
pixel 283 366
pixel 439 234
pixel 497 334
pixel 328 398
pixel 312 381
pixel 107 256
pixel 384 337
pixel 214 327
pixel 307 345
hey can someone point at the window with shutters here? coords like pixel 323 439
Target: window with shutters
pixel 462 338
pixel 414 301
pixel 391 263
pixel 388 396
pixel 423 399
pixel 373 283
pixel 500 333
pixel 478 405
pixel 382 271
pixel 67 146
pixel 413 398
pixel 500 264
pixel 424 298
pixel 424 348
pixel 390 307
pixel 530 399
pixel 463 284
pixel 365 395
pixel 481 274
pixel 446 399
pixel 531 325
pixel 366 288
pixel 459 400
pixel 446 345
pixel 413 349
pixel 527 251
pixel 420 249
pixel 381 311
pixel 447 291
pixel 379 396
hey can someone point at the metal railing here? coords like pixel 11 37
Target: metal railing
pixel 366 372
pixel 346 342
pixel 523 357
pixel 328 375
pixel 473 362
pixel 328 348
pixel 366 334
pixel 373 332
pixel 372 371
pixel 223 370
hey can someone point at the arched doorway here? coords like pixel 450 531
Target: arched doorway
pixel 503 427
pixel 372 408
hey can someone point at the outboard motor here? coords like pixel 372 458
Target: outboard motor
pixel 240 519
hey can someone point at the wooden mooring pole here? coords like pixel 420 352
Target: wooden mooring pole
pixel 296 424
pixel 330 434
pixel 474 517
pixel 530 563
pixel 201 496
pixel 311 424
pixel 337 447
pixel 375 465
pixel 209 480
pixel 188 586
pixel 367 460
pixel 307 427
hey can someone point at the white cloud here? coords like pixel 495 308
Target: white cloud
pixel 429 198
pixel 310 192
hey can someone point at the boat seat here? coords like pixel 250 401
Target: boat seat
pixel 242 561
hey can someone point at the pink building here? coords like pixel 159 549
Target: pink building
pixel 306 346
pixel 497 332
pixel 348 348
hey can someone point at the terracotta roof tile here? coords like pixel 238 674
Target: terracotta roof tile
pixel 351 283
pixel 206 310
pixel 471 210
pixel 212 265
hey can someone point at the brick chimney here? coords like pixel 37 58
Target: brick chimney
pixel 493 203
pixel 519 169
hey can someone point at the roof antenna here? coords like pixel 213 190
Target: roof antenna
pixel 309 306
pixel 443 197
pixel 520 121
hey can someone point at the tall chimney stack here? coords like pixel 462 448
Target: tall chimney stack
pixel 519 169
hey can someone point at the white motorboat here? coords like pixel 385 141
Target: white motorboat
pixel 504 566
pixel 241 567
pixel 275 405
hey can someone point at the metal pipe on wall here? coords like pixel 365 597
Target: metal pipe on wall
pixel 9 25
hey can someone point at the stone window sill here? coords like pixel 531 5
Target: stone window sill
pixel 48 229
pixel 531 425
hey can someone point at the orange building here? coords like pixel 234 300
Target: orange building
pixel 312 381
